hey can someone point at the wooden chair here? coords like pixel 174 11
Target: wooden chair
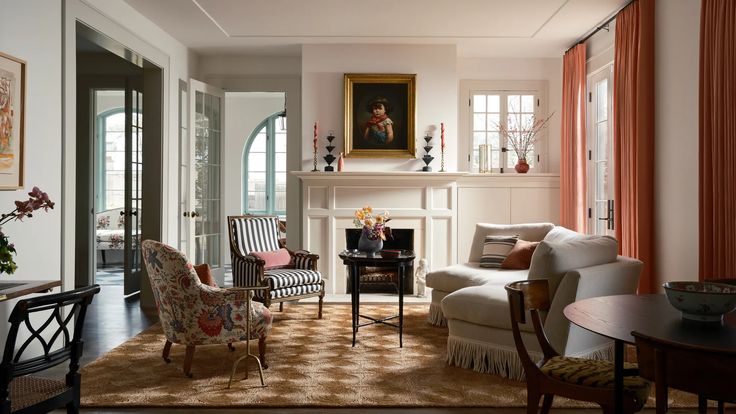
pixel 707 372
pixel 575 378
pixel 58 337
pixel 373 277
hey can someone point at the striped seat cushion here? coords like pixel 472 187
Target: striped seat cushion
pixel 295 291
pixel 283 278
pixel 495 250
pixel 596 373
pixel 256 234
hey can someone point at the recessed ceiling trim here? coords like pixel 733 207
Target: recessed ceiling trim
pixel 212 19
pixel 552 16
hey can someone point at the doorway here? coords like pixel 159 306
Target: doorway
pixel 112 149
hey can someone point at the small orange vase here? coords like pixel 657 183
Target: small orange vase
pixel 521 166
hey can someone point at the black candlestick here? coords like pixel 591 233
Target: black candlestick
pixel 427 158
pixel 329 158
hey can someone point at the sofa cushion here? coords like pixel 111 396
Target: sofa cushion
pixel 485 305
pixel 495 250
pixel 551 260
pixel 559 234
pixel 452 278
pixel 520 257
pixel 530 231
pixel 204 272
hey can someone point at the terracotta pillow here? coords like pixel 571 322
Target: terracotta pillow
pixel 276 258
pixel 520 257
pixel 205 274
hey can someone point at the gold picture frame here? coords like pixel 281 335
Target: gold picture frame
pixel 12 121
pixel 380 114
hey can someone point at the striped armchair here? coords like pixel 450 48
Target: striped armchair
pixel 297 279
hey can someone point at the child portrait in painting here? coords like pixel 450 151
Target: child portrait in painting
pixel 380 128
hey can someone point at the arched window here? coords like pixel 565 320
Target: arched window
pixel 264 168
pixel 111 159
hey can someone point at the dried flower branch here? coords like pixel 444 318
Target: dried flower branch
pixel 523 139
pixel 373 226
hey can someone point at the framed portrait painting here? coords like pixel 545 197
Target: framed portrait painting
pixel 12 121
pixel 380 115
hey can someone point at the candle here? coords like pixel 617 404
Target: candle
pixel 442 134
pixel 315 136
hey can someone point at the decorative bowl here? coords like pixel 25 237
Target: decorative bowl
pixel 390 254
pixel 701 301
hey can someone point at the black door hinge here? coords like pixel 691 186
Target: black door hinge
pixel 590 155
pixel 590 96
pixel 590 212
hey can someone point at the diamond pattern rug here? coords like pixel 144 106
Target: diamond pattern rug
pixel 311 364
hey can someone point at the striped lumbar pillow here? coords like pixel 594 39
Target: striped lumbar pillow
pixel 495 250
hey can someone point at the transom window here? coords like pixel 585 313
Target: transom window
pixel 264 168
pixel 490 112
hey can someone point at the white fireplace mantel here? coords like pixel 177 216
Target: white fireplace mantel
pixel 442 208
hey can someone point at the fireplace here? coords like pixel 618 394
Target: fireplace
pixel 384 279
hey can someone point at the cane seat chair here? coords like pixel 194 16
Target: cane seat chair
pixel 709 373
pixel 299 279
pixel 58 337
pixel 570 377
pixel 192 313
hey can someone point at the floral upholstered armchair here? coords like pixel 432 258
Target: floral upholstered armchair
pixel 259 260
pixel 192 313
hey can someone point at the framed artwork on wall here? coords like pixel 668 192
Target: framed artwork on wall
pixel 12 121
pixel 380 115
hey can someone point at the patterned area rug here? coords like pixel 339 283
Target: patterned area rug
pixel 311 364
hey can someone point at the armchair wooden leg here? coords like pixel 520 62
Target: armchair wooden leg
pixel 262 352
pixel 547 403
pixel 281 306
pixel 188 357
pixel 532 402
pixel 167 349
pixel 231 347
pixel 321 300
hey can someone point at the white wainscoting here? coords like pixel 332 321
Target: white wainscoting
pixel 442 208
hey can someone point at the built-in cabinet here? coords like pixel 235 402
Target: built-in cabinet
pixel 442 208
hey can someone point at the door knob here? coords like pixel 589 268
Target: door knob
pixel 194 214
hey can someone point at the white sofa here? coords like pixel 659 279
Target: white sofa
pixel 110 231
pixel 472 302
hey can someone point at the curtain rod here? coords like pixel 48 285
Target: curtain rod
pixel 601 26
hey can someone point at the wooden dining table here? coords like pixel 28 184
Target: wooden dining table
pixel 617 316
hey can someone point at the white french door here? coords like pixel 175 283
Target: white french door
pixel 201 203
pixel 601 203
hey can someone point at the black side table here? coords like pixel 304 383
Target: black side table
pixel 354 260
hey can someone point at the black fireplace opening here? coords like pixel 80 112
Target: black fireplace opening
pixel 384 279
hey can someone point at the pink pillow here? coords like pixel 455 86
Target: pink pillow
pixel 276 258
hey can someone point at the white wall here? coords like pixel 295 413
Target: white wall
pixel 521 69
pixel 243 112
pixel 676 164
pixel 323 67
pixel 30 31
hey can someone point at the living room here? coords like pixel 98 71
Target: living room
pixel 453 55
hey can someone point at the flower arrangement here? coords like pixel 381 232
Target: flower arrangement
pixel 523 138
pixel 37 200
pixel 372 225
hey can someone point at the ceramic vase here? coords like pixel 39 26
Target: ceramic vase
pixel 367 245
pixel 521 166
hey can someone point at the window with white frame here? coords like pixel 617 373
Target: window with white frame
pixel 264 168
pixel 492 111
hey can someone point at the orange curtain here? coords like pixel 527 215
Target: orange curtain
pixel 717 139
pixel 573 214
pixel 633 135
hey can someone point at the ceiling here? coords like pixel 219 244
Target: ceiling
pixel 479 28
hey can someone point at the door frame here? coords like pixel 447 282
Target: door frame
pixel 131 47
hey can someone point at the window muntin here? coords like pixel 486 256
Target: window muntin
pixel 489 109
pixel 264 168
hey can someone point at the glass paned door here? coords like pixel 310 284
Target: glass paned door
pixel 600 156
pixel 131 215
pixel 206 120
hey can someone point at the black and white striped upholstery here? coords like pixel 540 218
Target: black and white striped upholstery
pixel 256 234
pixel 261 234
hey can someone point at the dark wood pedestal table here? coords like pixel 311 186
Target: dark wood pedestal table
pixel 354 260
pixel 617 316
